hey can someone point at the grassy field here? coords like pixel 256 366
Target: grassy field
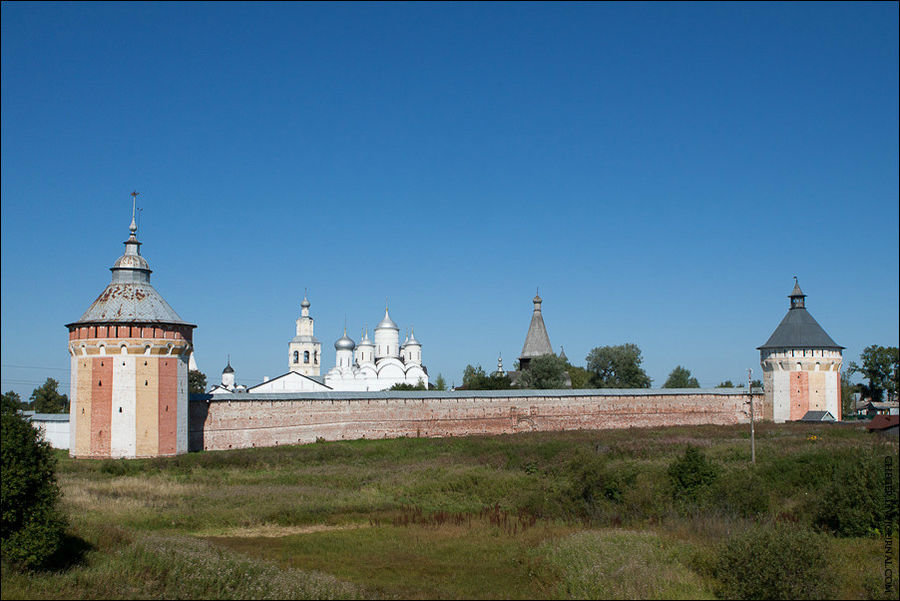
pixel 562 515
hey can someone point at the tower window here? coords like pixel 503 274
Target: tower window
pixel 296 356
pixel 306 356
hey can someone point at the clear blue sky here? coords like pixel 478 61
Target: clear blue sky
pixel 660 171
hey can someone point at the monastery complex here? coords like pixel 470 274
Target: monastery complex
pixel 131 353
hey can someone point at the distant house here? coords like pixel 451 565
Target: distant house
pixel 873 408
pixel 889 425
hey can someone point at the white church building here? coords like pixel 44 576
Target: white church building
pixel 377 364
pixel 367 366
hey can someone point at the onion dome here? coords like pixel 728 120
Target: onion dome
pixel 305 303
pixel 411 341
pixel 344 343
pixel 129 297
pixel 364 341
pixel 387 323
pixel 228 369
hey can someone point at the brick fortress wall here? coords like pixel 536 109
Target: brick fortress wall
pixel 260 420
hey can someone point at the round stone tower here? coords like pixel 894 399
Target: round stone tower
pixel 801 366
pixel 129 361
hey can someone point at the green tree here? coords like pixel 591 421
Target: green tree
pixel 848 389
pixel 617 367
pixel 196 382
pixel 579 376
pixel 546 371
pixel 47 399
pixel 681 378
pixel 880 366
pixel 756 384
pixel 405 386
pixel 12 401
pixel 32 524
pixel 725 384
pixel 474 378
pixel 440 383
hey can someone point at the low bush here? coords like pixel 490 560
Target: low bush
pixel 773 562
pixel 853 503
pixel 740 492
pixel 691 475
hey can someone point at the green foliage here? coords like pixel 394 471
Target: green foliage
pixel 32 525
pixel 773 562
pixel 617 367
pixel 881 367
pixel 196 382
pixel 474 378
pixel 848 389
pixel 440 383
pixel 579 376
pixel 47 399
pixel 691 474
pixel 741 492
pixel 681 378
pixel 546 371
pixel 853 503
pixel 593 481
pixel 405 386
pixel 725 384
pixel 12 401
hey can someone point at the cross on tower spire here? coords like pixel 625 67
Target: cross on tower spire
pixel 133 226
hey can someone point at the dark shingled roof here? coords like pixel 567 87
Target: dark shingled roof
pixel 798 329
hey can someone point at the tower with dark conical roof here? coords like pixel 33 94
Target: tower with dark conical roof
pixel 129 361
pixel 801 365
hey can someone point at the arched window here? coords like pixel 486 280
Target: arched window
pixel 316 357
pixel 306 356
pixel 296 356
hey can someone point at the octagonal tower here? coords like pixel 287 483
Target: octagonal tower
pixel 129 361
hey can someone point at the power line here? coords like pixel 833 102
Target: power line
pixel 34 367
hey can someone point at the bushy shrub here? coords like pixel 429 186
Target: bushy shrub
pixel 853 504
pixel 592 480
pixel 779 561
pixel 32 524
pixel 741 492
pixel 691 474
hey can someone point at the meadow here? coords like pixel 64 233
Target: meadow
pixel 587 514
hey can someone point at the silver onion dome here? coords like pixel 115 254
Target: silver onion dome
pixel 387 323
pixel 344 343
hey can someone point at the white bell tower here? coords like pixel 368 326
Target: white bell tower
pixel 305 351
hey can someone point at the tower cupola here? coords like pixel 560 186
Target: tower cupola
pixel 798 299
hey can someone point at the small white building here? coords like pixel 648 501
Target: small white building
pixel 54 427
pixel 378 364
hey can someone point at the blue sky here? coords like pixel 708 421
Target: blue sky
pixel 661 171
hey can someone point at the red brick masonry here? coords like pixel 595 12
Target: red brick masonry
pixel 248 420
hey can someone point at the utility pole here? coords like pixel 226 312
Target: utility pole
pixel 752 433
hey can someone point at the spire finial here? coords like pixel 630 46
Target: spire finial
pixel 133 226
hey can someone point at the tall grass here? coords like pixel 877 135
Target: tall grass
pixel 339 508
